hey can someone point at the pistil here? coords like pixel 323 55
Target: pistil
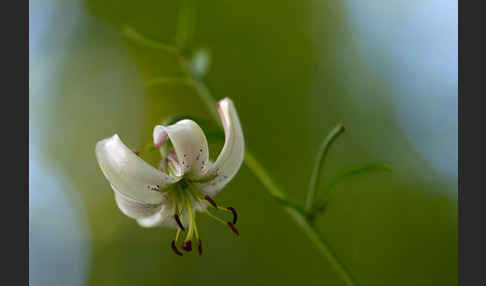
pixel 186 245
pixel 177 208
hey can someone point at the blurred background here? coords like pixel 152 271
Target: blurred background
pixel 386 69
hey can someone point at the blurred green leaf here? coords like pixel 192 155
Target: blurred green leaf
pixel 348 174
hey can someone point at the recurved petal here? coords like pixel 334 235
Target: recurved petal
pixel 189 143
pixel 231 157
pixel 135 209
pixel 129 174
pixel 163 218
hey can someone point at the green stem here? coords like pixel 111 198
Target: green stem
pixel 149 43
pixel 185 28
pixel 300 219
pixel 322 245
pixel 201 89
pixel 326 144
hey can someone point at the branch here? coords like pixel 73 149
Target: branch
pixel 326 144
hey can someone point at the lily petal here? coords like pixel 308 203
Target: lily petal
pixel 163 218
pixel 190 145
pixel 129 174
pixel 231 157
pixel 135 209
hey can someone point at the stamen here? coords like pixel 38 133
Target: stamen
pixel 230 210
pixel 235 215
pixel 210 200
pixel 154 188
pixel 178 221
pixel 215 217
pixel 174 248
pixel 233 228
pixel 179 231
pixel 187 245
pixel 196 233
pixel 199 248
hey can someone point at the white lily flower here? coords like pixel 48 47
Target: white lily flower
pixel 186 179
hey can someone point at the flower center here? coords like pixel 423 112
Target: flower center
pixel 186 199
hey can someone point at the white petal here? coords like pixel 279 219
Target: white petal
pixel 135 209
pixel 189 143
pixel 128 173
pixel 163 218
pixel 231 157
pixel 172 157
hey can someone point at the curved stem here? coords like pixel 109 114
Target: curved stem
pixel 186 25
pixel 323 246
pixel 321 156
pixel 300 219
pixel 135 37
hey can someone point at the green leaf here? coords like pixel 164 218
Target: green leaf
pixel 357 171
pixel 348 174
pixel 326 144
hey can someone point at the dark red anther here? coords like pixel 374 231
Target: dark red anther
pixel 233 211
pixel 174 248
pixel 136 152
pixel 186 245
pixel 208 198
pixel 199 248
pixel 178 221
pixel 233 228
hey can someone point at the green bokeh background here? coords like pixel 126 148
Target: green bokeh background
pixel 396 228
